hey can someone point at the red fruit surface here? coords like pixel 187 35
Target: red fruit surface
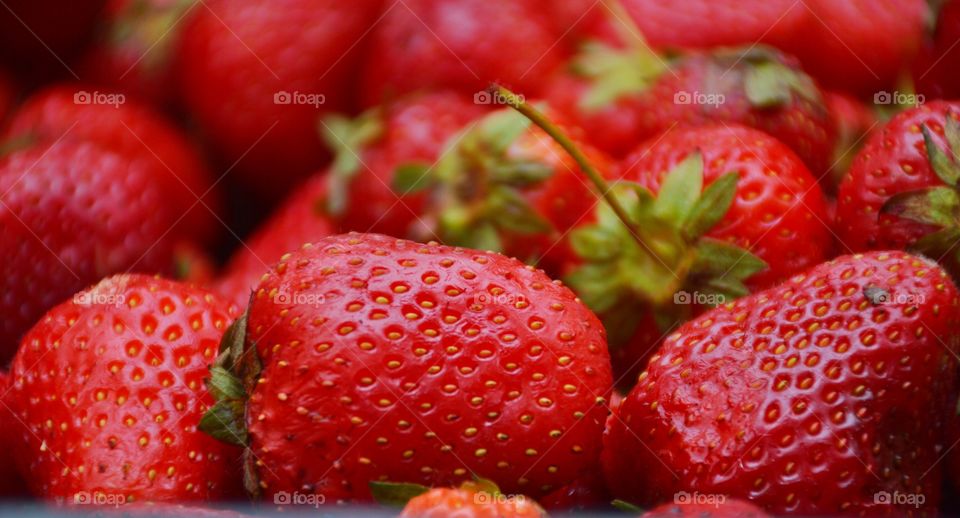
pixel 726 509
pixel 894 160
pixel 934 71
pixel 131 129
pixel 234 58
pixel 462 45
pixel 385 359
pixel 586 493
pixel 444 502
pixel 109 389
pixel 72 214
pixel 854 121
pixel 844 373
pixel 299 220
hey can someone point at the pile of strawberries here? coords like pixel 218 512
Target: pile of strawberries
pixel 480 258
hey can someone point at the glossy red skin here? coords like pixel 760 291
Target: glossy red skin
pixel 864 375
pixel 97 361
pixel 299 220
pixel 728 509
pixel 462 45
pixel 802 125
pixel 934 71
pixel 416 129
pixel 893 160
pixel 352 396
pixel 447 502
pixel 72 214
pixel 12 485
pixel 234 56
pixel 137 131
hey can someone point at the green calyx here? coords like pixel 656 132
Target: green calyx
pixel 621 275
pixel 236 367
pixel 347 138
pixel 149 26
pixel 768 82
pixel 938 206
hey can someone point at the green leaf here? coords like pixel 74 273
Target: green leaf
pixel 626 507
pixel 411 177
pixel 615 73
pixel 222 384
pixel 721 260
pixel 483 237
pixel 952 131
pixel 521 173
pixel 765 85
pixel 347 138
pixel 596 244
pixel 224 421
pixel 234 340
pixel 712 205
pixel 508 209
pixel 938 206
pixel 941 163
pixel 500 129
pixel 680 191
pixel 393 494
pixel 939 242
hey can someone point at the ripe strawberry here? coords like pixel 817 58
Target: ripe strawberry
pixel 299 220
pixel 71 214
pixel 900 190
pixel 371 151
pixel 759 218
pixel 431 44
pixel 109 388
pixel 844 373
pixel 722 509
pixel 934 71
pixel 480 499
pixel 853 121
pixel 623 97
pixel 257 88
pixel 389 360
pixel 57 114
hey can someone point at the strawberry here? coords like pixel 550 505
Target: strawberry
pixel 717 508
pixel 623 97
pixel 846 373
pixel 300 219
pixel 481 499
pixel 75 113
pixel 368 358
pixel 72 213
pixel 900 190
pixel 934 71
pixel 109 390
pixel 586 493
pixel 434 44
pixel 371 151
pixel 257 88
pixel 854 121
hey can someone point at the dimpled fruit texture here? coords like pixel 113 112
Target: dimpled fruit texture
pixel 843 375
pixel 385 359
pixel 108 388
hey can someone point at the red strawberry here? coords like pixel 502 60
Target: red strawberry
pixel 462 45
pixel 854 121
pixel 900 190
pixel 109 390
pixel 258 88
pixel 623 97
pixel 844 373
pixel 71 214
pixel 934 71
pixel 75 113
pixel 721 508
pixel 299 220
pixel 389 360
pixel 371 151
pixel 471 500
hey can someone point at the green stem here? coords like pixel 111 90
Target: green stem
pixel 517 103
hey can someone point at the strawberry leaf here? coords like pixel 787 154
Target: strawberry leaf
pixel 765 85
pixel 499 130
pixel 680 190
pixel 596 244
pixel 712 205
pixel 615 73
pixel 938 206
pixel 943 165
pixel 393 494
pixel 725 260
pixel 411 177
pixel 508 209
pixel 347 138
pixel 233 370
pixel 224 421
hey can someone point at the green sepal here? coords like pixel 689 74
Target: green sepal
pixel 394 494
pixel 615 73
pixel 720 259
pixel 768 82
pixel 943 164
pixel 712 205
pixel 235 368
pixel 680 190
pixel 937 243
pixel 499 130
pixel 938 206
pixel 627 507
pixel 346 138
pixel 509 210
pixel 411 177
pixel 224 421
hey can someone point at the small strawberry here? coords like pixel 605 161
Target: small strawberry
pixel 70 214
pixel 368 358
pixel 622 97
pixel 108 390
pixel 846 373
pixel 718 509
pixel 462 45
pixel 901 190
pixel 257 88
pixel 480 499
